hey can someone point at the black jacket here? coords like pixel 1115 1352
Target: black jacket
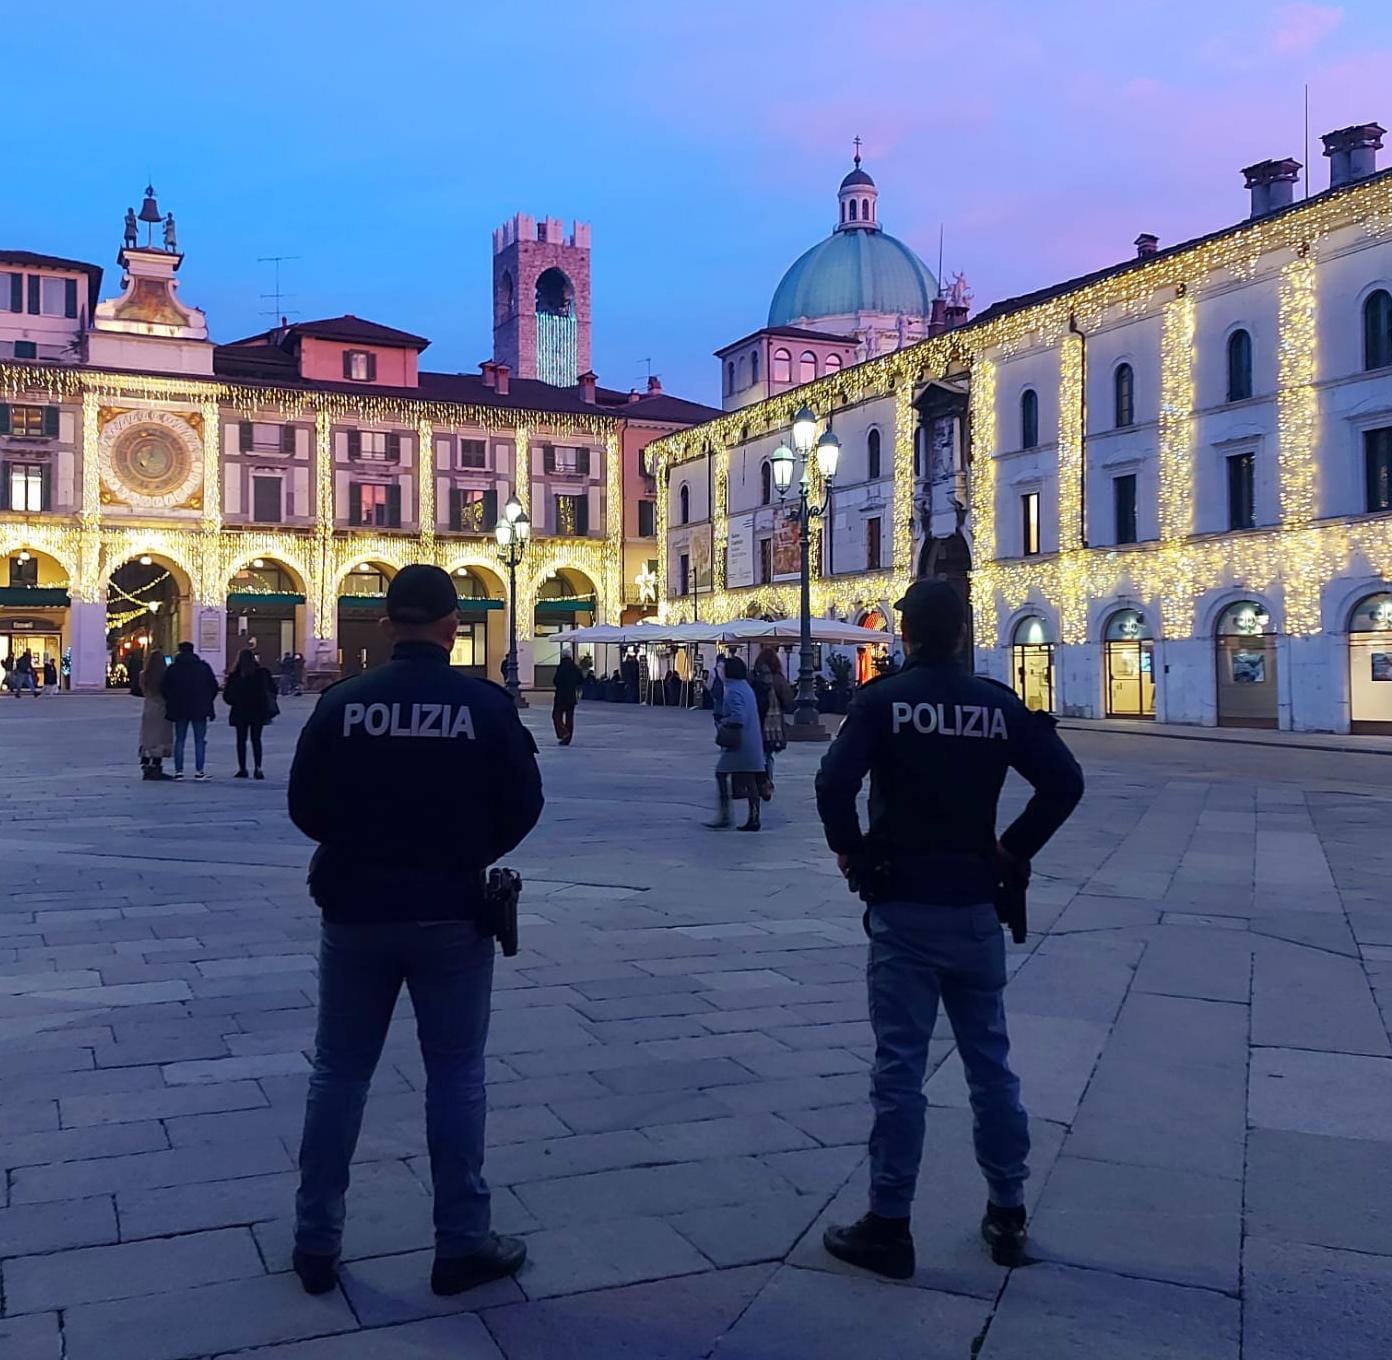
pixel 937 743
pixel 249 698
pixel 413 778
pixel 189 688
pixel 568 680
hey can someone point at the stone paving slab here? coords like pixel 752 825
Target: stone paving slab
pixel 679 1072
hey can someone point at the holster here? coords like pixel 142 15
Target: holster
pixel 1012 906
pixel 500 897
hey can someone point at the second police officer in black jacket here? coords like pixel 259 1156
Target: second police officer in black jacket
pixel 937 743
pixel 413 779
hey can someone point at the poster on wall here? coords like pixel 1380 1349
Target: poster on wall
pixel 701 560
pixel 210 630
pixel 1249 668
pixel 1382 666
pixel 787 559
pixel 739 557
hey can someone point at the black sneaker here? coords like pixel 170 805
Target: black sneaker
pixel 1003 1230
pixel 318 1274
pixel 502 1256
pixel 884 1245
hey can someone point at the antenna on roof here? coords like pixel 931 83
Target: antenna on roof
pixel 940 256
pixel 1307 139
pixel 648 362
pixel 277 312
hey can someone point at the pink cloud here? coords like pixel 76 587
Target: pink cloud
pixel 1300 27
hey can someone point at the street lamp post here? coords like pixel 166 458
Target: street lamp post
pixel 513 532
pixel 807 723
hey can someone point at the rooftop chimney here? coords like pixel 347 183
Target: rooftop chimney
pixel 587 387
pixel 501 373
pixel 937 315
pixel 1146 244
pixel 1352 152
pixel 490 373
pixel 654 385
pixel 634 394
pixel 1272 184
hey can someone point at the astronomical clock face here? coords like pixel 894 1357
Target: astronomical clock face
pixel 151 459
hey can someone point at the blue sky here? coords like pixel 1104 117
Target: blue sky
pixel 381 143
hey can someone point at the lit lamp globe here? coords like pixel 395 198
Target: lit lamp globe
pixel 512 511
pixel 521 525
pixel 782 461
pixel 828 455
pixel 804 429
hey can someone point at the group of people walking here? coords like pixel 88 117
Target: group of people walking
pixel 751 728
pixel 20 674
pixel 179 700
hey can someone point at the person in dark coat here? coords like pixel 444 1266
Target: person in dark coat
pixel 251 704
pixel 567 685
pixel 189 690
pixel 631 678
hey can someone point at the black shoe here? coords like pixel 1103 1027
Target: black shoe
pixel 1003 1230
pixel 884 1245
pixel 454 1274
pixel 241 774
pixel 752 824
pixel 258 775
pixel 722 817
pixel 318 1274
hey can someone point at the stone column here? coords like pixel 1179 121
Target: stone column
pixel 208 632
pixel 87 643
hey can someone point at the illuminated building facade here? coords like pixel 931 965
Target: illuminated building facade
pixel 156 487
pixel 1176 473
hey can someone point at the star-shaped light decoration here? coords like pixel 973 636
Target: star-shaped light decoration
pixel 646 581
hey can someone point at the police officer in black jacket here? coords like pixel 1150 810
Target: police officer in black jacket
pixel 937 742
pixel 413 778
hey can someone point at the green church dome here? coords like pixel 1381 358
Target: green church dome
pixel 854 271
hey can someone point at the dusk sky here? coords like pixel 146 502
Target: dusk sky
pixel 381 143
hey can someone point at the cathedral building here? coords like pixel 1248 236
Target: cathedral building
pixel 156 486
pixel 1168 482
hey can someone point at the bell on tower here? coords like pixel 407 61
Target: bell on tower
pixel 150 213
pixel 857 197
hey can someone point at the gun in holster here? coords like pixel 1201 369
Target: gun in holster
pixel 1012 909
pixel 500 896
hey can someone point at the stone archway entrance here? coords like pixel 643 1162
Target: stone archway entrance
pixel 34 613
pixel 480 643
pixel 265 612
pixel 362 603
pixel 148 609
pixel 949 559
pixel 565 599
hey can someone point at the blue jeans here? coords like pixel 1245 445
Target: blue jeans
pixel 200 742
pixel 448 969
pixel 919 954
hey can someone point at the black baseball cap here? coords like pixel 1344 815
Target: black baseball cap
pixel 421 594
pixel 933 613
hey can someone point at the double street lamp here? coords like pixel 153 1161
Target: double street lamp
pixel 513 532
pixel 807 724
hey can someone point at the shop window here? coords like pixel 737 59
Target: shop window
pixel 1377 468
pixel 1124 396
pixel 1242 491
pixel 1239 366
pixel 1029 523
pixel 24 572
pixel 1124 503
pixel 1029 419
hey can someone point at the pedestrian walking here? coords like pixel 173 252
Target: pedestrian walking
pixel 156 731
pixel 739 734
pixel 567 686
pixel 286 673
pixel 937 743
pixel 50 674
pixel 22 677
pixel 250 695
pixel 189 690
pixel 413 778
pixel 776 702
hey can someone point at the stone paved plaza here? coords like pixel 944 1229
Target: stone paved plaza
pixel 678 1079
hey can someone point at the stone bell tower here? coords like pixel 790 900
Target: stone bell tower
pixel 541 299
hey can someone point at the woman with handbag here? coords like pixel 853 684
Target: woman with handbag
pixel 250 693
pixel 776 703
pixel 739 734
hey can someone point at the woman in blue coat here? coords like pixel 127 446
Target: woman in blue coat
pixel 741 766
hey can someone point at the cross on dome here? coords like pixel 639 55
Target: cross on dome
pixel 857 209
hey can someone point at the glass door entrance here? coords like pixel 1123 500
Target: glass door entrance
pixel 1034 675
pixel 1131 679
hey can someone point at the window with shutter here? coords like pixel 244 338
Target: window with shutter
pixel 69 297
pixel 355 444
pixel 472 453
pixel 25 349
pixel 456 509
pixel 355 503
pixel 548 457
pixel 245 439
pixel 393 447
pixel 4 486
pixel 34 294
pixel 4 417
pixel 394 506
pixel 50 422
pixel 287 439
pixel 45 488
pixel 582 460
pixel 348 363
pixel 372 368
pixel 16 292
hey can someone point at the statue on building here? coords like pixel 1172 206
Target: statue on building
pixel 131 229
pixel 169 241
pixel 958 294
